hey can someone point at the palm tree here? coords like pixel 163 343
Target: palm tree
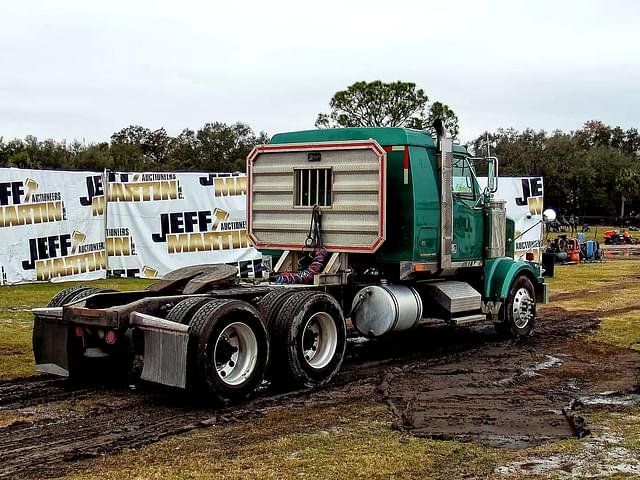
pixel 627 185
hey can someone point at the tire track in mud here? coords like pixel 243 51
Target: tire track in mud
pixel 36 390
pixel 54 445
pixel 505 396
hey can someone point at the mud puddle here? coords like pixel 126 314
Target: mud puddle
pixel 510 394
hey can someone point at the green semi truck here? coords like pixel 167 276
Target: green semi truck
pixel 376 228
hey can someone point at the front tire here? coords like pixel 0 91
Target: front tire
pixel 518 313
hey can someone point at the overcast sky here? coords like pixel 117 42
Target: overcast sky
pixel 84 69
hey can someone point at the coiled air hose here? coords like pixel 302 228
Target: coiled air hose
pixel 314 239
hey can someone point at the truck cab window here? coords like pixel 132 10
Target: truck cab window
pixel 463 181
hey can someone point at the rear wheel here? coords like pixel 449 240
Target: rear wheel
pixel 88 292
pixel 519 310
pixel 309 340
pixel 65 296
pixel 228 350
pixel 184 311
pixel 269 306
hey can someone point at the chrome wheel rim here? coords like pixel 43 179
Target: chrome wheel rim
pixel 522 309
pixel 235 353
pixel 319 340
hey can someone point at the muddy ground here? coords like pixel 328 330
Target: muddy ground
pixel 438 382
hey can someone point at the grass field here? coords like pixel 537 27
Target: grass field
pixel 16 320
pixel 353 439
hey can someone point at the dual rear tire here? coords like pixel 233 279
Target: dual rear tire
pixel 295 339
pixel 308 336
pixel 73 294
pixel 228 347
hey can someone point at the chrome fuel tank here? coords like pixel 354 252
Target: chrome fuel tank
pixel 380 309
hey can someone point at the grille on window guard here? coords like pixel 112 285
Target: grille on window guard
pixel 313 186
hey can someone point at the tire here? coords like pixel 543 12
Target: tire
pixel 224 375
pixel 88 292
pixel 65 296
pixel 308 340
pixel 184 310
pixel 269 306
pixel 519 310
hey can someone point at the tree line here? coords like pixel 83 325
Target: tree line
pixel 593 171
pixel 216 147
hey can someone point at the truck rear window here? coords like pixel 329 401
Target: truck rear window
pixel 313 187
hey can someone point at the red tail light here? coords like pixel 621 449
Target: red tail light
pixel 111 337
pixel 79 331
pixel 530 256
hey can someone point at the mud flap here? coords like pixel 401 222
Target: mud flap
pixel 545 294
pixel 165 350
pixel 50 342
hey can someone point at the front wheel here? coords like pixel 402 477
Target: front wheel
pixel 518 312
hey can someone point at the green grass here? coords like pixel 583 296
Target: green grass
pixel 608 286
pixel 622 330
pixel 16 320
pixel 38 294
pixel 613 276
pixel 347 441
pixel 16 358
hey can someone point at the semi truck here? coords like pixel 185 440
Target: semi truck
pixel 365 230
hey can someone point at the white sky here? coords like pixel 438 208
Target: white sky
pixel 84 69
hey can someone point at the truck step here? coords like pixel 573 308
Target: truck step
pixel 469 319
pixel 455 297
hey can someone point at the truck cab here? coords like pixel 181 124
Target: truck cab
pixel 398 205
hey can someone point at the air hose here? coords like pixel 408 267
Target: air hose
pixel 314 239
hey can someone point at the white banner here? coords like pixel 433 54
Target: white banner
pixel 525 198
pixel 158 222
pixel 47 230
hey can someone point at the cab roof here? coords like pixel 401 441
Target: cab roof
pixel 383 135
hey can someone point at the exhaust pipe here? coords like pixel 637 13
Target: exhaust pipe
pixel 445 166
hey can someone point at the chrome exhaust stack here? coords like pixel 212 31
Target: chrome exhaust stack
pixel 445 167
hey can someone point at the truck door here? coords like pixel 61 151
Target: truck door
pixel 468 220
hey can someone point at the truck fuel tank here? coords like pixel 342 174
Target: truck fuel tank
pixel 384 308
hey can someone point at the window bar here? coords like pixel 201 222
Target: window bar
pixel 309 188
pixel 325 186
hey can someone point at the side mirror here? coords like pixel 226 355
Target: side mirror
pixel 492 174
pixel 549 215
